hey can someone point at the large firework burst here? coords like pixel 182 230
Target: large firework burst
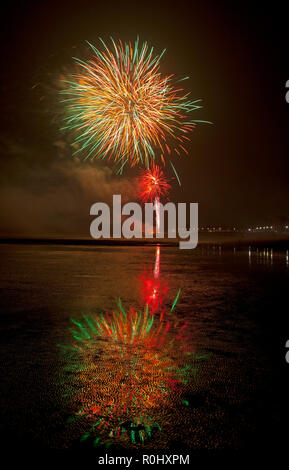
pixel 122 108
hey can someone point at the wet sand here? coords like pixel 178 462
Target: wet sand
pixel 234 303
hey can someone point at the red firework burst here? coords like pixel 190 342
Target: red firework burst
pixel 153 184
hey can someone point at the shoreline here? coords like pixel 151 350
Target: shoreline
pixel 226 240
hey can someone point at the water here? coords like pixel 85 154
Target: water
pixel 215 379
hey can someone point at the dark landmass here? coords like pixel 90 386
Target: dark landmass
pixel 226 239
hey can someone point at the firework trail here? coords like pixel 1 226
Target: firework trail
pixel 121 107
pixel 152 186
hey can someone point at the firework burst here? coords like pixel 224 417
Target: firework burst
pixel 122 108
pixel 153 184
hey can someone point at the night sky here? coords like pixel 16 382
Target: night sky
pixel 236 56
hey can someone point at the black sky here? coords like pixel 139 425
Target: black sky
pixel 236 56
